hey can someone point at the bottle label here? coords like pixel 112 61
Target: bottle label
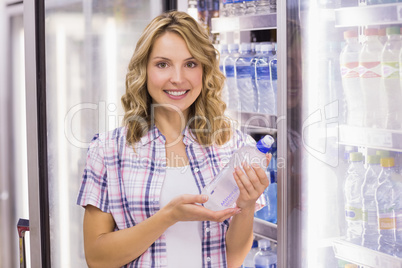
pixel 263 73
pixel 273 66
pixel 350 70
pixel 370 69
pixel 264 266
pixel 243 71
pixel 353 213
pixel 386 221
pixel 390 70
pixel 370 216
pixel 229 69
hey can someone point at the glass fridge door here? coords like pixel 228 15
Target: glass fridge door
pixel 344 98
pixel 85 47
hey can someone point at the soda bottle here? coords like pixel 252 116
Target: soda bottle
pixel 223 191
pixel 229 64
pixel 353 198
pixel 370 79
pixel 385 207
pixel 266 100
pixel 390 78
pixel 349 61
pixel 243 72
pixel 370 184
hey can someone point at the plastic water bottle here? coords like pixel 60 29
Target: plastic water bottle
pixel 272 6
pixel 223 191
pixel 224 52
pixel 370 184
pixel 398 205
pixel 353 198
pixel 370 79
pixel 234 103
pixel 262 6
pixel 390 78
pixel 385 207
pixel 257 53
pixel 239 7
pixel 248 98
pixel 265 258
pixel 274 76
pixel 250 7
pixel 249 260
pixel 349 61
pixel 266 100
pixel 272 200
pixel 225 8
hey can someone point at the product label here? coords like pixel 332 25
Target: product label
pixel 350 70
pixel 353 213
pixel 390 70
pixel 386 221
pixel 370 216
pixel 229 69
pixel 370 69
pixel 264 266
pixel 243 71
pixel 263 73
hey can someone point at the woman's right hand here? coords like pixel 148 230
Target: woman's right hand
pixel 188 207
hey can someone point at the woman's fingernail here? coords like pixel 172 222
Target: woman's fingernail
pixel 204 197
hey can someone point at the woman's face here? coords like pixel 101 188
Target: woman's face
pixel 174 77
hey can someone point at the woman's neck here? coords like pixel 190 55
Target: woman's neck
pixel 170 124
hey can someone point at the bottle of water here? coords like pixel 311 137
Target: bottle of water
pixel 385 206
pixel 250 7
pixel 390 78
pixel 248 98
pixel 266 100
pixel 272 200
pixel 223 191
pixel 274 76
pixel 370 184
pixel 257 53
pixel 272 6
pixel 349 61
pixel 229 63
pixel 370 79
pixel 225 9
pixel 239 7
pixel 265 258
pixel 249 260
pixel 262 7
pixel 353 198
pixel 398 205
pixel 224 52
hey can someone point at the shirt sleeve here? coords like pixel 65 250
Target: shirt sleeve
pixel 94 187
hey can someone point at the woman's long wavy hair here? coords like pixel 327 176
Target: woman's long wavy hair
pixel 207 121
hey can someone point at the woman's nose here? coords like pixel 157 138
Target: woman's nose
pixel 176 76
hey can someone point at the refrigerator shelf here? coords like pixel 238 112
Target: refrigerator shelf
pixel 243 23
pixel 265 229
pixel 254 123
pixel 383 139
pixel 364 256
pixel 369 15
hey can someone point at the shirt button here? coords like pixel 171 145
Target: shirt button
pixel 208 259
pixel 196 169
pixel 207 229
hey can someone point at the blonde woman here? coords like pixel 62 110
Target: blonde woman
pixel 142 182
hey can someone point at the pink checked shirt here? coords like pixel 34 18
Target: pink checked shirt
pixel 128 185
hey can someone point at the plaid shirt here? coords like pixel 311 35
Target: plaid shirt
pixel 128 185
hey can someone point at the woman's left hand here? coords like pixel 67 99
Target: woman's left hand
pixel 252 183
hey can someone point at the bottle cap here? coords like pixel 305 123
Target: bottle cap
pixel 233 47
pixel 349 34
pixel 371 31
pixel 266 47
pixel 393 30
pixel 382 154
pixel 355 157
pixel 264 144
pixel 264 243
pixel 351 265
pixel 387 162
pixel 373 159
pixel 244 47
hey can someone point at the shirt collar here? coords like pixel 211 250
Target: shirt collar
pixel 154 134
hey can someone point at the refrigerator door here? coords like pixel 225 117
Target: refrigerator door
pixel 76 67
pixel 320 133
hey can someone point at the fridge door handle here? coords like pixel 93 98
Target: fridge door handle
pixel 22 227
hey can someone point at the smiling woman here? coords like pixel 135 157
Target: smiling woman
pixel 142 182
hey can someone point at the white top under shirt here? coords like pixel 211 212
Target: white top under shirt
pixel 183 239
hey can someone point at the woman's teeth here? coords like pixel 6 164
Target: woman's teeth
pixel 176 93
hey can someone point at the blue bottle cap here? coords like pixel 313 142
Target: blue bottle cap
pixel 264 145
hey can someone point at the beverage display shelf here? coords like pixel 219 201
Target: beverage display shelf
pixel 244 23
pixel 385 14
pixel 362 256
pixel 255 123
pixel 265 229
pixel 382 139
